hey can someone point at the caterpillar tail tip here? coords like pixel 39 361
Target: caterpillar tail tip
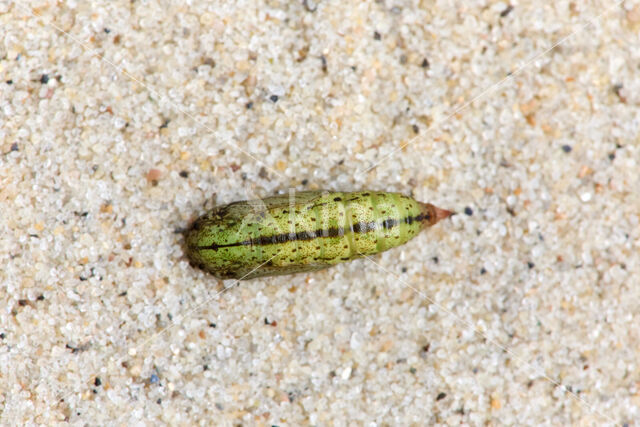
pixel 443 213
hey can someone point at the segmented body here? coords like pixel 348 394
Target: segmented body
pixel 305 231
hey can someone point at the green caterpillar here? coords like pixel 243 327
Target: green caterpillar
pixel 304 231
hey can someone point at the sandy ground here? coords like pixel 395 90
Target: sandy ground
pixel 122 121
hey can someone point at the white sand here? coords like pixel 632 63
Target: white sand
pixel 529 314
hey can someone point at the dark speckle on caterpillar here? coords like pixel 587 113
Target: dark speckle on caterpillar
pixel 304 231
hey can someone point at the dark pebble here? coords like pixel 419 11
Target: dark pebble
pixel 506 11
